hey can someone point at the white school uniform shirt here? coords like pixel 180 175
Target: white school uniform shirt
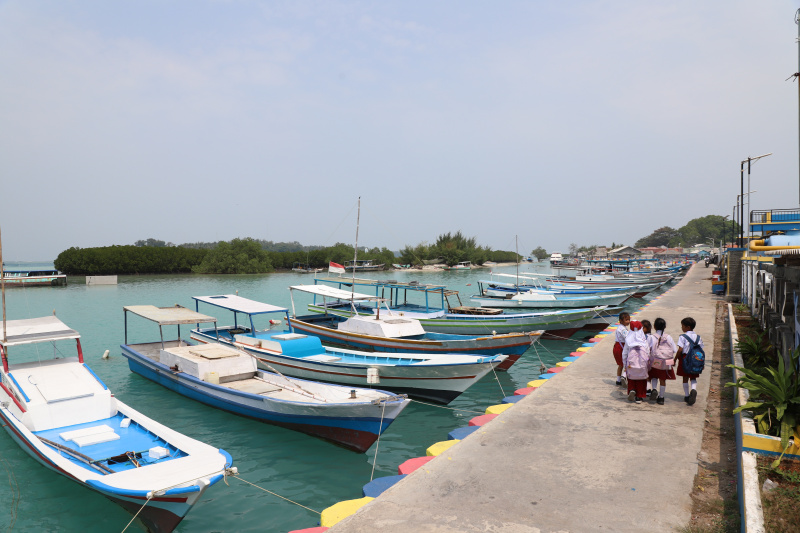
pixel 621 333
pixel 683 343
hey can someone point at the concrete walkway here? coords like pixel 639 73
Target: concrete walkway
pixel 574 455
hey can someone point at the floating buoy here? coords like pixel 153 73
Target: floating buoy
pixel 105 354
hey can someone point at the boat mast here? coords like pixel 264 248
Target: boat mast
pixel 355 254
pixel 3 290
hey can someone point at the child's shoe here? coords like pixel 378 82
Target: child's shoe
pixel 653 394
pixel 623 381
pixel 638 400
pixel 632 396
pixel 660 401
pixel 686 399
pixel 692 397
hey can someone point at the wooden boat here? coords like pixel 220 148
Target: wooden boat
pixel 33 278
pixel 463 265
pixel 440 378
pixel 362 265
pixel 66 418
pixel 541 299
pixel 228 378
pixel 437 315
pixel 397 334
pixel 304 268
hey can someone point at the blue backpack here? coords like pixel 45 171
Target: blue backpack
pixel 695 359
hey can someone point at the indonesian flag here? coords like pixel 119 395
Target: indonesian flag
pixel 335 268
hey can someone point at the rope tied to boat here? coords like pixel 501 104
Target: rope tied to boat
pixel 154 493
pixel 275 494
pixel 450 408
pixel 378 442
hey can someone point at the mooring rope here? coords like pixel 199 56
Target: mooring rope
pixel 494 371
pixel 274 494
pixel 153 493
pixel 445 407
pixel 378 442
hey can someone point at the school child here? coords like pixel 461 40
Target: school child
pixel 636 359
pixel 685 342
pixel 663 349
pixel 619 344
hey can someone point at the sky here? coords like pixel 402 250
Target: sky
pixel 586 122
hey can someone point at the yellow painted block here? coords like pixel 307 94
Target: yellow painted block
pixel 440 447
pixel 342 510
pixel 499 408
pixel 584 348
pixel 601 335
pixel 767 444
pixel 563 363
pixel 537 382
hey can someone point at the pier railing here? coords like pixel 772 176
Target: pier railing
pixel 775 216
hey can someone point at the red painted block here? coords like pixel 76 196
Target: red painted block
pixel 556 369
pixel 412 464
pixel 311 530
pixel 525 391
pixel 481 420
pixel 576 354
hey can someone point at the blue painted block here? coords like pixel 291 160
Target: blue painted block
pixel 546 376
pixel 460 433
pixel 374 488
pixel 513 399
pixel 571 359
pixel 588 345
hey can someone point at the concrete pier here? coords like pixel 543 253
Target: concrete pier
pixel 574 455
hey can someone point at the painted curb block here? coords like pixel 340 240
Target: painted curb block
pixel 556 369
pixel 482 419
pixel 408 466
pixel 537 383
pixel 310 530
pixel 462 433
pixel 375 488
pixel 563 364
pixel 342 510
pixel 438 448
pixel 497 409
pixel 571 359
pixel 525 391
pixel 513 399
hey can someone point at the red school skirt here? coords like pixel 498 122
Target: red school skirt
pixel 655 373
pixel 684 374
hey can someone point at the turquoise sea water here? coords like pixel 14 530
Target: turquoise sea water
pixel 303 469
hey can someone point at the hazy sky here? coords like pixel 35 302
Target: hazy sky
pixel 581 121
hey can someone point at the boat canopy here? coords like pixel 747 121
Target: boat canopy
pixel 169 316
pixel 333 292
pixel 32 330
pixel 237 304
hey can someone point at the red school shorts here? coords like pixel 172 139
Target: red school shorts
pixel 682 372
pixel 618 353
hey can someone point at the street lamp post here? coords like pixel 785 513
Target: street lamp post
pixel 740 212
pixel 749 160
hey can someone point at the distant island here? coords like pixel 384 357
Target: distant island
pixel 253 256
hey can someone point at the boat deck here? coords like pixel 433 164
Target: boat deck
pixel 122 440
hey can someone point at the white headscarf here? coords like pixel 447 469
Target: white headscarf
pixel 636 336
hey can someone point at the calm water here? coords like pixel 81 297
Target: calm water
pixel 298 467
